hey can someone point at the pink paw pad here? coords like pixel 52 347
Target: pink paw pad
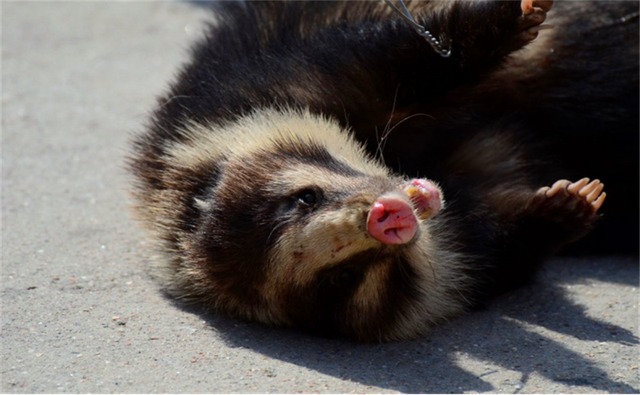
pixel 426 197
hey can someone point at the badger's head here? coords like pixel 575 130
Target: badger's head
pixel 285 220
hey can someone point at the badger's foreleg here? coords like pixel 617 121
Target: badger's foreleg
pixel 527 226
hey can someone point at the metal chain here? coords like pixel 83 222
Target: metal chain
pixel 406 15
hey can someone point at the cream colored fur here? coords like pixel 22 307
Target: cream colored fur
pixel 303 250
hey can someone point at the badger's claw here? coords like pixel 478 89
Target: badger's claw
pixel 582 193
pixel 530 6
pixel 534 13
pixel 425 196
pixel 573 206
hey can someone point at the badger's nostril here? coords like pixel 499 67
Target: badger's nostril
pixel 384 217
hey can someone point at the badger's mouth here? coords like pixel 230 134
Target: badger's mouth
pixel 362 297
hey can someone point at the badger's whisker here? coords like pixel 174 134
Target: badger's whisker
pixel 386 135
pixel 381 142
pixel 379 153
pixel 276 227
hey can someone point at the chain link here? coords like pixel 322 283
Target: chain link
pixel 421 30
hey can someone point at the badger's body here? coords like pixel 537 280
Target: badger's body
pixel 270 173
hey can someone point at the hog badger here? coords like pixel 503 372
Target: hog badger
pixel 318 165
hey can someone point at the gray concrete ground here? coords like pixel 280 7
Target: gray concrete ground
pixel 80 314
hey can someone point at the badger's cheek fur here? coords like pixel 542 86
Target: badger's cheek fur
pixel 396 288
pixel 307 248
pixel 327 240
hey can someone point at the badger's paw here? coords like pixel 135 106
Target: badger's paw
pixel 572 205
pixel 425 196
pixel 534 13
pixel 581 195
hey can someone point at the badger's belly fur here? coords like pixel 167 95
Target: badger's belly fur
pixel 271 175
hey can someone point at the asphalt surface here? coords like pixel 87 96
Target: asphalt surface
pixel 81 314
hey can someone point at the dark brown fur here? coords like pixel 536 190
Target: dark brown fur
pixel 242 134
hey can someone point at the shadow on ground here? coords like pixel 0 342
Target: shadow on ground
pixel 504 337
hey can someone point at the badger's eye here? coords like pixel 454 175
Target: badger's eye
pixel 345 278
pixel 308 198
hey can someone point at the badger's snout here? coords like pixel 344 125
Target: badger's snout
pixel 391 220
pixel 394 220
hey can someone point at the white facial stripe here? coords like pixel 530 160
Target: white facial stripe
pixel 261 131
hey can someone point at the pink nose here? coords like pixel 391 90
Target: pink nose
pixel 392 221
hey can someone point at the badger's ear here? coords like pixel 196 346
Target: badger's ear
pixel 203 205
